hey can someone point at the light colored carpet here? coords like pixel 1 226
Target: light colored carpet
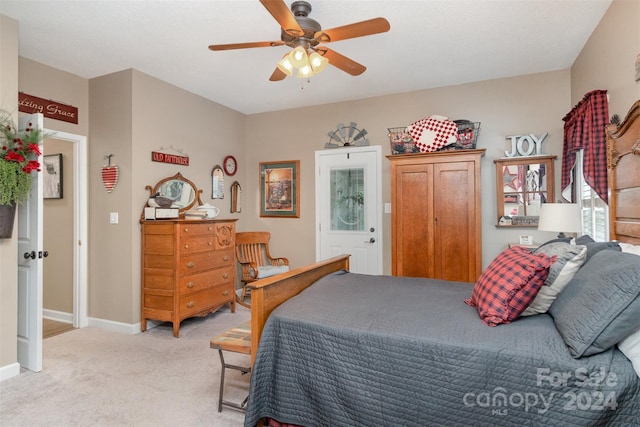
pixel 93 377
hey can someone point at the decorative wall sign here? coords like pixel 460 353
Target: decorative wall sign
pixel 525 145
pixel 50 109
pixel 347 136
pixel 163 156
pixel 109 175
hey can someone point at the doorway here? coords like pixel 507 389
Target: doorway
pixel 348 207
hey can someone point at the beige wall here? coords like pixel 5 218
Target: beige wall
pixel 520 105
pixel 8 247
pixel 133 114
pixel 608 59
pixel 58 223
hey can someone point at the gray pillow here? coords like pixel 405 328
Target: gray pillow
pixel 569 259
pixel 595 247
pixel 600 306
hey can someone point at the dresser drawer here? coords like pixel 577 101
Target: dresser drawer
pixel 208 279
pixel 193 244
pixel 203 300
pixel 190 229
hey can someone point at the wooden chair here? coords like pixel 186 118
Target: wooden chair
pixel 252 253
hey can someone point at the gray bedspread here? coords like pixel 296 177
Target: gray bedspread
pixel 358 350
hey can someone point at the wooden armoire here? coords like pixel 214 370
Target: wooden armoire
pixel 436 228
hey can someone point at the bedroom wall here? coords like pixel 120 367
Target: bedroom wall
pixel 8 247
pixel 534 103
pixel 608 59
pixel 133 114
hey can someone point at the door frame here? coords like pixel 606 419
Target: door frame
pixel 377 150
pixel 80 226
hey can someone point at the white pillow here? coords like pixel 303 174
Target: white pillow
pixel 628 247
pixel 569 260
pixel 630 346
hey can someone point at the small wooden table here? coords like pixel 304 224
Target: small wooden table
pixel 237 340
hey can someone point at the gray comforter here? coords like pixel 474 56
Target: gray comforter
pixel 358 350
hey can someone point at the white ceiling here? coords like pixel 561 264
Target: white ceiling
pixel 432 43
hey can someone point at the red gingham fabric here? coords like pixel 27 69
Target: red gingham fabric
pixel 433 132
pixel 509 284
pixel 584 128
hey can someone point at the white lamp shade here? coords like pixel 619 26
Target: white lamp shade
pixel 318 62
pixel 560 217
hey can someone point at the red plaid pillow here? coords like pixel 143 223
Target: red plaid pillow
pixel 510 283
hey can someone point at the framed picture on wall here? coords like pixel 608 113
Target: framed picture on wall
pixel 280 189
pixel 52 173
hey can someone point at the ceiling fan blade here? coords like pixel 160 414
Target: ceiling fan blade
pixel 280 11
pixel 342 62
pixel 277 75
pixel 231 46
pixel 359 29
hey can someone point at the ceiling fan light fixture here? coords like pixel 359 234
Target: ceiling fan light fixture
pixel 305 72
pixel 299 57
pixel 285 66
pixel 318 62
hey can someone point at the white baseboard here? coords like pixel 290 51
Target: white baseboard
pixel 9 371
pixel 124 328
pixel 59 316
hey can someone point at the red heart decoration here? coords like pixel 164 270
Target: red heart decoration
pixel 109 177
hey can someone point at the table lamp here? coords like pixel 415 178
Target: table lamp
pixel 560 217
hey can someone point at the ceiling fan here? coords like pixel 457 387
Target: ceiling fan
pixel 305 35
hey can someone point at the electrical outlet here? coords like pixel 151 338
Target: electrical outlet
pixel 113 218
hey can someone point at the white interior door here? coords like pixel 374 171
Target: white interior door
pixel 348 208
pixel 30 253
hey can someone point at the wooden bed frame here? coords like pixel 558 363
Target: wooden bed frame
pixel 623 162
pixel 623 148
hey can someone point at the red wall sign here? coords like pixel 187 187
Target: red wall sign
pixel 51 109
pixel 157 156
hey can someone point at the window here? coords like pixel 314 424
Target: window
pixel 595 212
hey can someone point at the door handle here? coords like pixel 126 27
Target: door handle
pixel 371 240
pixel 31 255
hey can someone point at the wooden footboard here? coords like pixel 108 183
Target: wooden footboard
pixel 267 294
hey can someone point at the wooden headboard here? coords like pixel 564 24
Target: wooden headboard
pixel 623 162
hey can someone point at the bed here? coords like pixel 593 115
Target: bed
pixel 378 350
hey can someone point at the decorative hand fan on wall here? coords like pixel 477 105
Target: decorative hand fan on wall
pixel 304 35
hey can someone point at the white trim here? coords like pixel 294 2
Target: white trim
pixel 58 316
pixel 123 328
pixel 9 371
pixel 80 230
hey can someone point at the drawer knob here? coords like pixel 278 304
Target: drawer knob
pixel 190 264
pixel 190 304
pixel 210 228
pixel 186 229
pixel 186 246
pixel 225 258
pixel 210 243
pixel 225 276
pixel 225 293
pixel 190 285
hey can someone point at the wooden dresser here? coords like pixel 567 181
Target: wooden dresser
pixel 436 228
pixel 188 269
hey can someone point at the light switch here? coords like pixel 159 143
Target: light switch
pixel 113 218
pixel 387 208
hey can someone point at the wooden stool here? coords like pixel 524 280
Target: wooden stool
pixel 237 340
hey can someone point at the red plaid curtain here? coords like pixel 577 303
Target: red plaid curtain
pixel 584 128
